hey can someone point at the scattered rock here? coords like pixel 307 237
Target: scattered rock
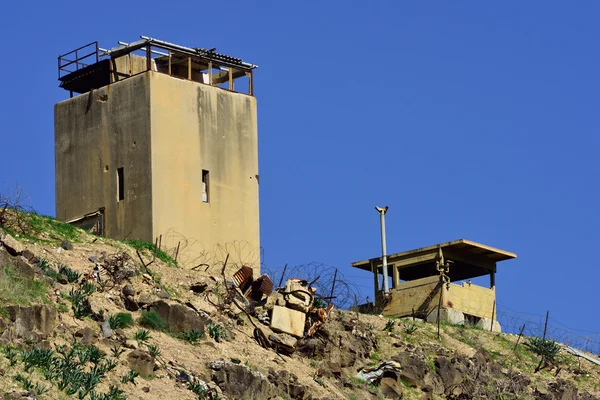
pixel 93 259
pixel 107 332
pixel 146 389
pixel 131 304
pixel 163 295
pixel 85 336
pixel 284 342
pixel 29 256
pixel 66 245
pixel 144 299
pixel 297 296
pixel 239 382
pixel 330 370
pixel 288 383
pixel 19 396
pixel 141 362
pixel 131 344
pixel 12 246
pixel 128 290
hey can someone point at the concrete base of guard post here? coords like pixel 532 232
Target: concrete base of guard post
pixel 486 324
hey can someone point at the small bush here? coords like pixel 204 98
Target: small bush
pixel 216 332
pixel 409 329
pixel 130 377
pixel 142 335
pixel 88 288
pixel 117 350
pixel 543 347
pixel 154 351
pixel 389 326
pixel 120 320
pixel 79 303
pixel 192 336
pixel 319 303
pixel 72 276
pixel 44 265
pixel 152 320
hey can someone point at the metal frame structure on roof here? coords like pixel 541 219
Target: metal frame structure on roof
pixel 90 67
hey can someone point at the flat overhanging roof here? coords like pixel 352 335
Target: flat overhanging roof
pixel 469 260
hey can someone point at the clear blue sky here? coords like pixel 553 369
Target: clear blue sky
pixel 474 120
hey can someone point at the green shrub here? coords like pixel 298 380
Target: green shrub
pixel 72 276
pixel 120 320
pixel 152 320
pixel 116 350
pixel 44 265
pixel 216 332
pixel 79 303
pixel 389 325
pixel 192 336
pixel 154 351
pixel 142 335
pixel 130 377
pixel 319 303
pixel 409 329
pixel 543 347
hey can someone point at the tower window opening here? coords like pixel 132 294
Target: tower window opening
pixel 120 185
pixel 205 186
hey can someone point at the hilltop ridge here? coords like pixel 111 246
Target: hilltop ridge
pixel 84 316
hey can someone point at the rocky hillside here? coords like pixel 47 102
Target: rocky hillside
pixel 93 318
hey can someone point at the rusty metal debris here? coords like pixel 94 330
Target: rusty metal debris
pixel 289 311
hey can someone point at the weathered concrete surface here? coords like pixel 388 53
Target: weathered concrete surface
pixel 163 131
pixel 288 321
pixel 198 127
pixel 94 134
pixel 485 323
pixel 448 315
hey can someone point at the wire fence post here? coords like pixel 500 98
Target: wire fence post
pixel 546 325
pixel 282 275
pixel 333 284
pixel 520 334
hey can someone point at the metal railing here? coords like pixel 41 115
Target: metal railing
pixel 74 60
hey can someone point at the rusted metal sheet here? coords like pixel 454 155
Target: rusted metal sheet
pixel 263 286
pixel 242 276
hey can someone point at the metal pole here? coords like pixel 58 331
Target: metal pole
pixel 546 325
pixel 382 212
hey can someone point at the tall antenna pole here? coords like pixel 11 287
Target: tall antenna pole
pixel 382 212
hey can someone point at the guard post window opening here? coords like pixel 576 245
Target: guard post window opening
pixel 120 185
pixel 205 187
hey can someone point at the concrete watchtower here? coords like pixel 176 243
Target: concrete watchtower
pixel 161 138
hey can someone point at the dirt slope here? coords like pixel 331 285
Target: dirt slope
pixel 52 296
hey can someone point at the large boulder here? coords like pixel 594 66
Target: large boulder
pixel 239 382
pixel 179 318
pixel 141 362
pixel 36 322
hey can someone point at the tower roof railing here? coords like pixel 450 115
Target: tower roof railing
pixel 90 67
